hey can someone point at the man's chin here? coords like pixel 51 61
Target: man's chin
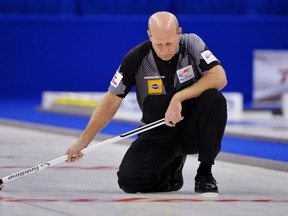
pixel 166 58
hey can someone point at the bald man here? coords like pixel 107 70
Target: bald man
pixel 177 78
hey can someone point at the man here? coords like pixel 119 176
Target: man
pixel 176 77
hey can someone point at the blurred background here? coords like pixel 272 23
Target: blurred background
pixel 77 45
pixel 53 51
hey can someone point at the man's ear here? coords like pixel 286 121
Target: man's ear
pixel 179 31
pixel 149 34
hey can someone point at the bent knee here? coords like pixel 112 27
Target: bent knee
pixel 127 183
pixel 214 97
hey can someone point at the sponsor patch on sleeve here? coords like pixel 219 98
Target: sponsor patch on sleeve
pixel 208 56
pixel 116 79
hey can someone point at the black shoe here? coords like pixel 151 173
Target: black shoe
pixel 205 184
pixel 176 173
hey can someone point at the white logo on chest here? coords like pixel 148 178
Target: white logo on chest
pixel 185 74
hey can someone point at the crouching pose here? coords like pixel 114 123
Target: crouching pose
pixel 177 78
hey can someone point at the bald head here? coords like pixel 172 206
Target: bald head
pixel 162 21
pixel 165 34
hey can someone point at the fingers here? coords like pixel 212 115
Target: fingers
pixel 172 122
pixel 1 186
pixel 173 114
pixel 171 119
pixel 74 157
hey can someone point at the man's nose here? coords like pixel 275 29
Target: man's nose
pixel 165 50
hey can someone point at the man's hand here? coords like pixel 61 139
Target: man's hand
pixel 173 114
pixel 1 186
pixel 74 152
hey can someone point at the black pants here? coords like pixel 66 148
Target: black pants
pixel 146 166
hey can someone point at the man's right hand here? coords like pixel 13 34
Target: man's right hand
pixel 74 152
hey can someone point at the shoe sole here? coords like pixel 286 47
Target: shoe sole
pixel 205 191
pixel 208 195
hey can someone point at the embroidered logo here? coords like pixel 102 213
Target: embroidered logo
pixel 185 74
pixel 155 86
pixel 116 79
pixel 208 56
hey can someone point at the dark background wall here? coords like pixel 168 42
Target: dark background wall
pixel 77 45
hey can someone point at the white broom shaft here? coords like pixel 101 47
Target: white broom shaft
pixel 125 135
pixel 91 148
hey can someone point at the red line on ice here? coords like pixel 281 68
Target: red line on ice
pixel 135 199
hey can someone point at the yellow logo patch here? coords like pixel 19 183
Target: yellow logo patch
pixel 155 86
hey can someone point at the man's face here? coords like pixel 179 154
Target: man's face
pixel 165 42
